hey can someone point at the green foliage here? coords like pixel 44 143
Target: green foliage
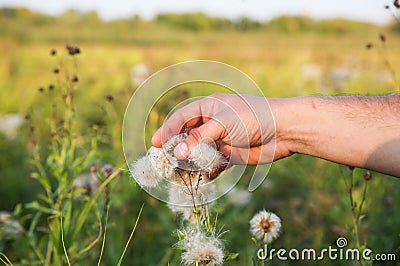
pixel 16 187
pixel 309 194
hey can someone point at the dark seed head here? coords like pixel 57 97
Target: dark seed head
pixel 382 37
pixel 107 169
pixel 53 52
pixel 27 117
pixel 56 71
pixel 41 89
pixel 367 176
pixel 51 87
pixel 75 79
pixel 73 49
pixel 369 45
pixel 109 98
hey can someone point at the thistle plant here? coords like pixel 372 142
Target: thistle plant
pixel 190 196
pixel 356 207
pixel 67 223
pixel 382 47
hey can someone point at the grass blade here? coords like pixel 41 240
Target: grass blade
pixel 62 240
pixel 104 237
pixel 130 237
pixel 6 261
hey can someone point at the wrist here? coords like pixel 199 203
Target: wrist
pixel 295 122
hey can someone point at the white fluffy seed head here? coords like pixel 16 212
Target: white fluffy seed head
pixel 180 199
pixel 198 247
pixel 144 173
pixel 160 162
pixel 265 226
pixel 180 202
pixel 207 158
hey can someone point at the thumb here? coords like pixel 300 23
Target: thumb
pixel 208 132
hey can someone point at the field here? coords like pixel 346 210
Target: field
pixel 287 57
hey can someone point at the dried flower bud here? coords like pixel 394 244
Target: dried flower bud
pixel 107 169
pixel 382 37
pixel 73 49
pixel 93 169
pixel 367 176
pixel 109 98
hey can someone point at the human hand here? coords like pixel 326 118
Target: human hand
pixel 242 126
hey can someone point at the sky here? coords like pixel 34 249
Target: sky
pixel 263 10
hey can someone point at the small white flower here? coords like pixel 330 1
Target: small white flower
pixel 207 158
pixel 144 173
pixel 198 247
pixel 265 226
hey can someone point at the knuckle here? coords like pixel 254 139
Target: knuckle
pixel 196 135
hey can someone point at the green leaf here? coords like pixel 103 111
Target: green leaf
pixel 34 205
pixel 87 207
pixel 33 224
pixel 17 209
pixel 232 256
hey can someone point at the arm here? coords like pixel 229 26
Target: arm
pixel 357 131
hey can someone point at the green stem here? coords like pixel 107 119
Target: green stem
pixel 130 237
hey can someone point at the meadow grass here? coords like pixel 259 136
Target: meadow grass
pixel 308 194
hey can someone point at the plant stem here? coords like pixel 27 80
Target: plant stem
pixel 130 237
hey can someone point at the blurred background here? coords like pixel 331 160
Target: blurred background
pixel 289 48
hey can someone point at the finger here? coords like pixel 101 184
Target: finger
pixel 187 116
pixel 210 131
pixel 174 125
pixel 163 134
pixel 252 155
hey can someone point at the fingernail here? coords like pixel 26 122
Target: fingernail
pixel 181 151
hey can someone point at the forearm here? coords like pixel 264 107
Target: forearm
pixel 357 131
